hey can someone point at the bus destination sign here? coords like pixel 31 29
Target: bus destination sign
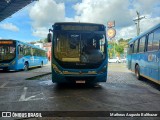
pixel 78 27
pixel 6 42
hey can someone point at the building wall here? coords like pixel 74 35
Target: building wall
pixel 47 47
pixel 39 45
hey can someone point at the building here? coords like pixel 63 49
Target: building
pixel 47 47
pixel 40 45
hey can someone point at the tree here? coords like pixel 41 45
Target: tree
pixel 45 40
pixel 119 49
pixel 42 41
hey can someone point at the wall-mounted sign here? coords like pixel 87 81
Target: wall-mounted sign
pixel 111 24
pixel 111 33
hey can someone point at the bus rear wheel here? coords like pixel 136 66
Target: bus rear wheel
pixel 41 64
pixel 26 67
pixel 5 69
pixel 137 72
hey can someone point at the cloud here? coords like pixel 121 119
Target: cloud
pixel 44 14
pixel 9 26
pixel 149 22
pixel 123 12
pixel 58 1
pixel 102 11
pixel 146 7
pixel 40 32
pixel 131 32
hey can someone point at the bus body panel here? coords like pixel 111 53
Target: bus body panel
pixel 63 74
pixel 57 78
pixel 153 71
pixel 149 60
pixel 80 74
pixel 20 59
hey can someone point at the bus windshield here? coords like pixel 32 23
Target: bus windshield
pixel 7 52
pixel 81 48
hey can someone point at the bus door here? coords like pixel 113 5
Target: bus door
pixel 20 56
pixel 32 59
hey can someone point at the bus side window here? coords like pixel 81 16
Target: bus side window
pixel 32 52
pixel 130 49
pixel 156 39
pixel 0 49
pixel 25 50
pixel 19 49
pixel 135 49
pixel 142 44
pixel 150 39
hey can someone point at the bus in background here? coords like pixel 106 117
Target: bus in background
pixel 16 55
pixel 79 52
pixel 144 55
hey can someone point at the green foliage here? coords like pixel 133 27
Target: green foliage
pixel 42 41
pixel 118 47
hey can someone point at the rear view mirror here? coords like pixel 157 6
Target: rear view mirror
pixel 49 37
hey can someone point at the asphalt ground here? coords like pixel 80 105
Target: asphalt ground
pixel 121 92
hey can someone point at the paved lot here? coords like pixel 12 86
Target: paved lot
pixel 122 92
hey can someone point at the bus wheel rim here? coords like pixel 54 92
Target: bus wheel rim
pixel 25 67
pixel 137 73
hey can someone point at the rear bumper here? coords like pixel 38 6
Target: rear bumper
pixel 59 78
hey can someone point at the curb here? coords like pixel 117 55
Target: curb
pixel 34 77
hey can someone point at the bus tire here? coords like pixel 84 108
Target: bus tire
pixel 137 72
pixel 41 64
pixel 26 67
pixel 5 69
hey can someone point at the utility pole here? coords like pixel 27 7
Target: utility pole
pixel 137 22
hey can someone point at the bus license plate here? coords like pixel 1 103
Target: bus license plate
pixel 80 81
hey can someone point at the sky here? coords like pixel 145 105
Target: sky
pixel 33 21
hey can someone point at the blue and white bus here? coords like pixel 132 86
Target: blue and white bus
pixel 144 55
pixel 16 55
pixel 79 52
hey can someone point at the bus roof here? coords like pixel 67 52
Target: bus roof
pixel 24 43
pixel 144 33
pixel 83 23
pixel 77 26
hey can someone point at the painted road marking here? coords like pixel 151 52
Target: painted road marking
pixel 4 84
pixel 23 97
pixel 39 96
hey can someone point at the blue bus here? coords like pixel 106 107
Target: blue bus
pixel 16 55
pixel 79 52
pixel 144 55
